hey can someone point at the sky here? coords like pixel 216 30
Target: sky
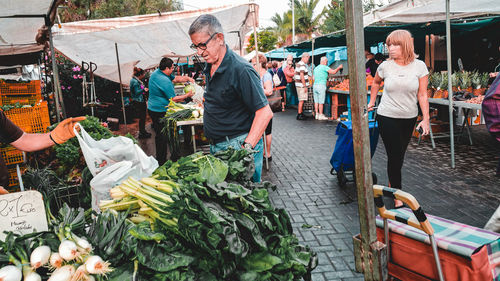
pixel 267 8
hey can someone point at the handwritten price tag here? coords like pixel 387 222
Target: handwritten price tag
pixel 22 212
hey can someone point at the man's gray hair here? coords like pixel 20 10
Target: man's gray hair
pixel 323 58
pixel 205 23
pixel 305 54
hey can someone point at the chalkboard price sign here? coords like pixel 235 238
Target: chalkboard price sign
pixel 22 213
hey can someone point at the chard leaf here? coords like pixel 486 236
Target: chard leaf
pixel 260 262
pixel 162 257
pixel 144 232
pixel 212 169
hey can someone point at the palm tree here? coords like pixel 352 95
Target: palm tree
pixel 283 29
pixel 334 17
pixel 305 21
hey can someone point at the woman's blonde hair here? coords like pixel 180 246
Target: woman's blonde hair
pixel 404 39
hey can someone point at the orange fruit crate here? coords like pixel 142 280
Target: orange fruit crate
pixel 21 99
pixel 33 119
pixel 32 87
pixel 11 155
pixel 23 93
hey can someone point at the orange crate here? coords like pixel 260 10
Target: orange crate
pixel 11 155
pixel 33 119
pixel 21 99
pixel 27 88
pixel 23 93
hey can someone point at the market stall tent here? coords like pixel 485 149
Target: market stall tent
pixel 420 14
pixel 143 40
pixel 20 22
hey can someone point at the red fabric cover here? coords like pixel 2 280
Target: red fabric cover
pixel 414 260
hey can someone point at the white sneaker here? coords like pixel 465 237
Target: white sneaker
pixel 322 117
pixel 316 116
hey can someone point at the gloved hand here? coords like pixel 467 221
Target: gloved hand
pixel 64 131
pixel 3 191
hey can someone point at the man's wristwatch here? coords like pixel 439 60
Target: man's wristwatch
pixel 246 145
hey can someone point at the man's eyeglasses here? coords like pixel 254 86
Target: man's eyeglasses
pixel 202 46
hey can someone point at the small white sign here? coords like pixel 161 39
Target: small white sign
pixel 22 213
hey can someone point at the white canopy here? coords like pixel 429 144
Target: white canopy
pixel 415 11
pixel 251 55
pixel 20 21
pixel 143 40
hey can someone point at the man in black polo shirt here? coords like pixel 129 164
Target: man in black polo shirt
pixel 13 135
pixel 236 111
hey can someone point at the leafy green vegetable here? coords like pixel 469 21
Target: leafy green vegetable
pixel 143 231
pixel 261 262
pixel 161 257
pixel 195 167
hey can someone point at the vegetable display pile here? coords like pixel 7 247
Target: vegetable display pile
pixel 178 112
pixel 200 218
pixel 59 255
pixel 198 223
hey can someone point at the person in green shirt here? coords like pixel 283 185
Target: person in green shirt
pixel 137 92
pixel 319 88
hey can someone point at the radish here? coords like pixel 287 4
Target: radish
pixel 10 273
pixel 56 260
pixel 95 265
pixel 40 257
pixel 63 273
pixel 68 250
pixel 33 276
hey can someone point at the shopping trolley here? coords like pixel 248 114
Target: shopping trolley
pixel 425 247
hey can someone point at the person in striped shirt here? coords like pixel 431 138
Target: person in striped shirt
pixel 302 83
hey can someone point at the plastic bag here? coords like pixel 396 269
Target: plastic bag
pixel 198 94
pixel 108 178
pixel 111 161
pixel 103 153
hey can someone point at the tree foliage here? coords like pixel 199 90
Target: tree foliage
pixel 283 29
pixel 306 22
pixel 77 10
pixel 266 40
pixel 334 18
pixel 330 19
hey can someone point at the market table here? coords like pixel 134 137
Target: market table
pixel 466 109
pixel 334 98
pixel 191 123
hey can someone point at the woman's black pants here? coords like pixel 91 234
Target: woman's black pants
pixel 396 134
pixel 160 139
pixel 140 108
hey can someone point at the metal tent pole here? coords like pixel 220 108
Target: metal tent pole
pixel 121 87
pixel 57 84
pixel 450 89
pixel 293 21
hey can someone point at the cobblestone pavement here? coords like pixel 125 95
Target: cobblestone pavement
pixel 301 151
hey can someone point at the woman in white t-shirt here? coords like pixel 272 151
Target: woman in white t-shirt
pixel 405 84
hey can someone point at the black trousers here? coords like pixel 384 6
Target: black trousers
pixel 396 134
pixel 160 138
pixel 140 109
